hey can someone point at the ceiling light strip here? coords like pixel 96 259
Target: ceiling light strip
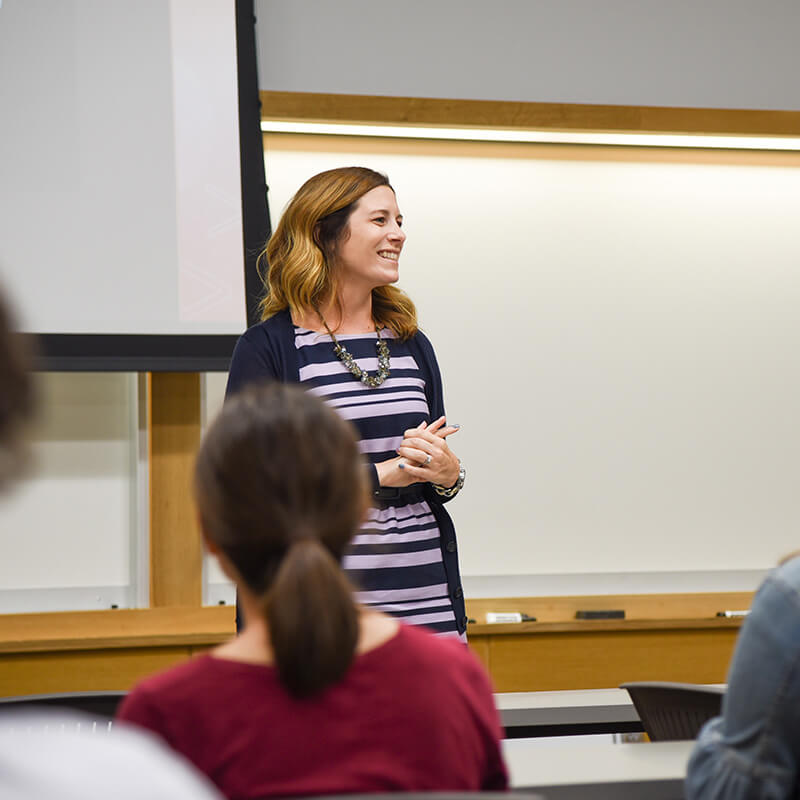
pixel 536 136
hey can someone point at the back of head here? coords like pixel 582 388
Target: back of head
pixel 16 395
pixel 281 488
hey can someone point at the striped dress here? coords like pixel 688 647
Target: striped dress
pixel 395 559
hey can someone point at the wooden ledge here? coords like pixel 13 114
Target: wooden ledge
pixel 649 609
pixel 116 629
pixel 598 625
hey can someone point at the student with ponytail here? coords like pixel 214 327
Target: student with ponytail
pixel 317 694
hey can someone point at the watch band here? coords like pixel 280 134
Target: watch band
pixel 452 491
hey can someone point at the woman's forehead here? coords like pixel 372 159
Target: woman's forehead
pixel 379 198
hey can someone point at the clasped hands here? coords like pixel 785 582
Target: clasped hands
pixel 423 455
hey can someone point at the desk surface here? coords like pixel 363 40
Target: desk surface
pixel 536 764
pixel 567 713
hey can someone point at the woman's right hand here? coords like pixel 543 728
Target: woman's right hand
pixel 391 474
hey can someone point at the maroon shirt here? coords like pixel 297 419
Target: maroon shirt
pixel 415 714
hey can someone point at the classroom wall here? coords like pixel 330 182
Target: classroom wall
pixel 711 54
pixel 716 54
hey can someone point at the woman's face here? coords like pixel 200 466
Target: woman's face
pixel 368 254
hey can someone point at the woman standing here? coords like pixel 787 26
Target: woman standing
pixel 334 323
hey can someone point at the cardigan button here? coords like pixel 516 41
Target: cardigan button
pixel 458 593
pixel 451 546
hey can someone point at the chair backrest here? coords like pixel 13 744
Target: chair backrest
pixel 672 711
pixel 100 704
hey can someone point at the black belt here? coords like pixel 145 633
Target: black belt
pixel 396 492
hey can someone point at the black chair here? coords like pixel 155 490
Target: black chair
pixel 672 711
pixel 100 704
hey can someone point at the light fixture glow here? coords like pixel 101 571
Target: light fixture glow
pixel 536 136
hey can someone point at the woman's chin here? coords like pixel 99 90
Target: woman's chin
pixel 392 276
pixel 386 280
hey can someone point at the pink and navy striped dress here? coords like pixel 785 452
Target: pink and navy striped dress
pixel 403 559
pixel 395 560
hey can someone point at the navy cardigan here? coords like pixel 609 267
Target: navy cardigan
pixel 267 352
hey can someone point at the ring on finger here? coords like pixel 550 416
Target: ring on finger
pixel 428 460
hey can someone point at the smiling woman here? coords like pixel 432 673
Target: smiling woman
pixel 334 323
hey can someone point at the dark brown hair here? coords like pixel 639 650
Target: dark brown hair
pixel 16 395
pixel 281 488
pixel 298 257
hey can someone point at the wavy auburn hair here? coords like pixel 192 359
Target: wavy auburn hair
pixel 281 488
pixel 296 265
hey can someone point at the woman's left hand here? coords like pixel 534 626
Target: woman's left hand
pixel 426 454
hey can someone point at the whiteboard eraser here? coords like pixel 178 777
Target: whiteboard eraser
pixel 499 617
pixel 614 613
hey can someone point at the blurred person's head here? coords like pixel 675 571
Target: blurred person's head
pixel 16 394
pixel 281 488
pixel 72 756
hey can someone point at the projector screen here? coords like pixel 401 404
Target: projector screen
pixel 120 196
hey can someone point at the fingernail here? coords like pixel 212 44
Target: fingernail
pixel 453 425
pixel 401 466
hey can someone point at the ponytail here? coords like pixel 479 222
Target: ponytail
pixel 281 488
pixel 312 619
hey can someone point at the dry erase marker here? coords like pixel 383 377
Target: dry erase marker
pixel 501 617
pixel 733 614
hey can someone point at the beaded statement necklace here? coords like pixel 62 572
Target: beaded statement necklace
pixel 373 381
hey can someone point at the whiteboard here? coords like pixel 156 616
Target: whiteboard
pixel 617 331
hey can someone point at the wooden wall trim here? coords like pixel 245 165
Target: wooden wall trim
pixel 671 637
pixel 87 670
pixel 309 106
pixel 176 554
pixel 605 659
pixel 118 628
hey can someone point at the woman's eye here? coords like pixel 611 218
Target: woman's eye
pixel 381 220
